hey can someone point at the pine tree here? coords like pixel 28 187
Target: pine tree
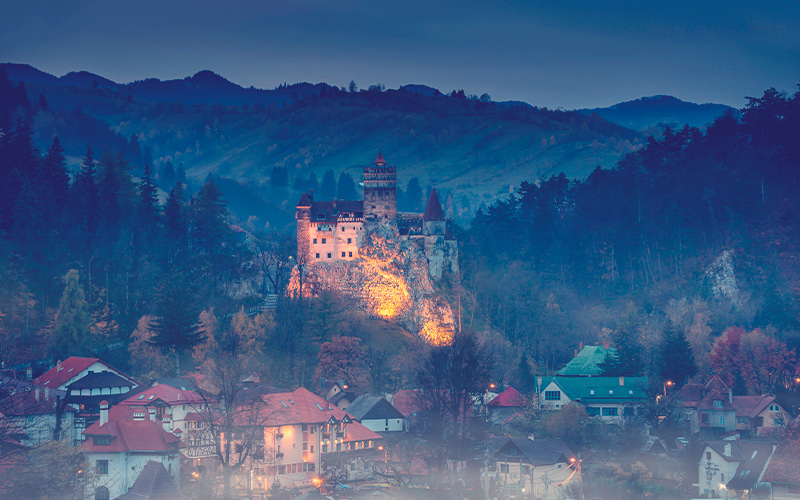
pixel 148 200
pixel 56 180
pixel 85 194
pixel 71 335
pixel 413 195
pixel 677 360
pixel 327 188
pixel 167 177
pixel 346 189
pixel 176 326
pixel 175 226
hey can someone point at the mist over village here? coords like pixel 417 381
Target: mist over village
pixel 509 252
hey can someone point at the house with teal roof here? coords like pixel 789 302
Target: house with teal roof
pixel 611 398
pixel 586 363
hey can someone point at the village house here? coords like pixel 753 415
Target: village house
pixel 611 398
pixel 505 406
pixel 154 483
pixel 587 362
pixel 40 415
pixel 377 414
pixel 331 231
pixel 303 436
pixel 527 468
pixel 119 446
pixel 783 471
pixel 340 395
pixel 87 382
pixel 729 468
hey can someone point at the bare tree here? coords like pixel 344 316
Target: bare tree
pixel 274 259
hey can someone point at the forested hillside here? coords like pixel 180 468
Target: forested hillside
pixel 691 235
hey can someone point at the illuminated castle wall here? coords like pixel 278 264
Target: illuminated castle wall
pixel 330 231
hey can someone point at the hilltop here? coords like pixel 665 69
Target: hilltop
pixel 660 110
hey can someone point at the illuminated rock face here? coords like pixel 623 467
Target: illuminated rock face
pixel 389 280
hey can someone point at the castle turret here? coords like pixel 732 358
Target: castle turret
pixel 380 190
pixel 434 216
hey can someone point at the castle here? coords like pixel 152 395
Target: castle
pixel 330 231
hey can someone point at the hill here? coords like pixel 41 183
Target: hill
pixel 650 112
pixel 473 150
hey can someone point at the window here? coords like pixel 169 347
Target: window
pixel 525 469
pixel 630 392
pixel 282 469
pixel 349 240
pixel 708 455
pixel 704 418
pixel 305 446
pixel 324 240
pixel 611 392
pixel 101 493
pixel 342 254
pixel 102 466
pixel 610 412
pixel 329 255
pixel 721 420
pixel 593 411
pixel 324 448
pixel 350 254
pixel 717 403
pixel 102 440
pixel 311 467
pixel 312 448
pixel 318 256
pixel 741 420
pixel 591 392
pixel 314 241
pixel 773 408
pixel 387 207
pixel 321 216
pixel 552 395
pixel 503 467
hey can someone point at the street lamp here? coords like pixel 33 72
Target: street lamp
pixel 668 383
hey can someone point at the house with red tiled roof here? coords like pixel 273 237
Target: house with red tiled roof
pixel 154 483
pixel 303 435
pixel 759 413
pixel 504 407
pixel 119 446
pixel 87 382
pixel 180 411
pixel 37 412
pixel 783 471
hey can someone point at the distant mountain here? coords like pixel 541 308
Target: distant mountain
pixel 649 112
pixel 473 151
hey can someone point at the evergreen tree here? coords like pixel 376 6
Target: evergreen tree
pixel 414 195
pixel 148 203
pixel 346 189
pixel 56 180
pixel 180 174
pixel 175 222
pixel 176 326
pixel 85 195
pixel 677 360
pixel 167 177
pixel 71 335
pixel 312 182
pixel 625 359
pixel 279 177
pixel 327 188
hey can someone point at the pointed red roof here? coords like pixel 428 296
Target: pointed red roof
pixel 380 161
pixel 166 393
pixel 128 434
pixel 434 209
pixel 508 398
pixel 64 371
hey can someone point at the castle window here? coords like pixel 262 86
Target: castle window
pixel 351 254
pixel 323 241
pixel 315 241
pixel 318 256
pixel 321 216
pixel 329 255
pixel 344 228
pixel 342 254
pixel 349 240
pixel 387 207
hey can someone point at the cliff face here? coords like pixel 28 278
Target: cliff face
pixel 390 280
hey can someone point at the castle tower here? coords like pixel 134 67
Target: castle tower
pixel 380 190
pixel 303 216
pixel 433 218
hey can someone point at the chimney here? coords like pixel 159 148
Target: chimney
pixel 58 366
pixel 622 381
pixel 46 393
pixel 574 354
pixel 103 412
pixel 36 392
pixel 730 396
pixel 29 373
pixel 334 202
pixel 152 414
pixel 606 345
pixel 580 346
pixel 727 449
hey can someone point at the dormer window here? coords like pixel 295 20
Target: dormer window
pixel 102 440
pixel 321 216
pixel 717 403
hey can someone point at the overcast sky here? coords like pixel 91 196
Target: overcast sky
pixel 555 53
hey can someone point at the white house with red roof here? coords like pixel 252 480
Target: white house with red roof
pixel 304 434
pixel 507 405
pixel 87 382
pixel 121 443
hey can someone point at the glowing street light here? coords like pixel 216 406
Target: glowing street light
pixel 668 383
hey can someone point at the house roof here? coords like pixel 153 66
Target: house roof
pixel 751 406
pixel 69 368
pixel 305 201
pixel 587 362
pixel 128 434
pixel 508 398
pixel 601 389
pixel 537 452
pixel 166 393
pixel 707 403
pixel 349 395
pixel 183 383
pixel 690 394
pixel 784 467
pixel 379 160
pixel 752 457
pixel 153 483
pixel 433 211
pixel 27 403
pixel 716 384
pixel 406 401
pixel 372 407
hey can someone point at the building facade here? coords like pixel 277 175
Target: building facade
pixel 333 231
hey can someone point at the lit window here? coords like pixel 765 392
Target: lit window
pixel 611 392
